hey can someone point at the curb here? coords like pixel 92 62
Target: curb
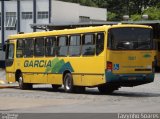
pixel 4 84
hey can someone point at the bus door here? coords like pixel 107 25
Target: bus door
pixel 9 62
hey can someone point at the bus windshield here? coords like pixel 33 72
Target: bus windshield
pixel 130 39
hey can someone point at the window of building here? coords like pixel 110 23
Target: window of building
pixel 20 45
pixel 88 44
pixel 50 46
pixel 62 49
pixel 99 43
pixel 75 45
pixel 84 19
pixel 28 47
pixel 43 15
pixel 27 15
pixel 39 47
pixel 11 20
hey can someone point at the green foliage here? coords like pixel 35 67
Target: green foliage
pixel 153 13
pixel 136 17
pixel 111 16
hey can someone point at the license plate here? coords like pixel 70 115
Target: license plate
pixel 132 78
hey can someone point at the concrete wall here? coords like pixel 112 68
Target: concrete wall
pixel 42 5
pixel 69 13
pixel 26 6
pixel 0 29
pixel 98 14
pixel 61 13
pixel 10 6
pixel 64 12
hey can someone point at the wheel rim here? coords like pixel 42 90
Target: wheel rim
pixel 20 81
pixel 68 83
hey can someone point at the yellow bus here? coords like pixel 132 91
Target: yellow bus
pixel 107 57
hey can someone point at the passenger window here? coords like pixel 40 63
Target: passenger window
pixel 88 44
pixel 39 47
pixel 99 43
pixel 75 45
pixel 62 49
pixel 19 51
pixel 50 46
pixel 28 47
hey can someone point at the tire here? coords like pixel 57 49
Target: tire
pixel 107 89
pixel 55 87
pixel 68 83
pixel 22 85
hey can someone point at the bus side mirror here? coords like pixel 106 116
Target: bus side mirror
pixel 4 48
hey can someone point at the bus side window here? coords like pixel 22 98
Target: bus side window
pixel 28 47
pixel 39 47
pixel 75 45
pixel 99 43
pixel 62 43
pixel 19 50
pixel 88 44
pixel 50 46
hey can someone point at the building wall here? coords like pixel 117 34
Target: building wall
pixel 10 6
pixel 26 6
pixel 64 12
pixel 98 14
pixel 42 5
pixel 69 13
pixel 2 54
pixel 0 26
pixel 61 13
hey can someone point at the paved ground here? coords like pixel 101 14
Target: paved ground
pixel 42 99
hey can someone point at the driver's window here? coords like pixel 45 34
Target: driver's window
pixel 10 51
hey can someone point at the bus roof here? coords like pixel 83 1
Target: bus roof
pixel 72 31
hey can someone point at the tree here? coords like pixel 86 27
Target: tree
pixel 111 16
pixel 153 13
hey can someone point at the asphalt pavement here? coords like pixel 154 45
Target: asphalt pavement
pixel 42 99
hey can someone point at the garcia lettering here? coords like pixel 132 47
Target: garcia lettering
pixel 38 63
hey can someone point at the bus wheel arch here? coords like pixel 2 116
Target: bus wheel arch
pixel 64 73
pixel 17 74
pixel 69 86
pixel 22 85
pixel 68 82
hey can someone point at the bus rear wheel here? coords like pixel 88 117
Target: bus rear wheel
pixel 68 83
pixel 22 85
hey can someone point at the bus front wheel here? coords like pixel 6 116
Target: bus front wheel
pixel 22 85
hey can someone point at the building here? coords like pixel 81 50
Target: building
pixel 17 16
